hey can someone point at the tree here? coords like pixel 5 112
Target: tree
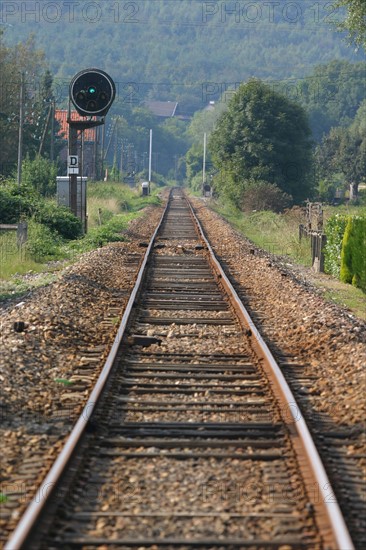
pixel 40 174
pixel 343 151
pixel 355 20
pixel 15 61
pixel 194 160
pixel 263 136
pixel 332 94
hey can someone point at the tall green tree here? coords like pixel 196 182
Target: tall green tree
pixel 355 20
pixel 263 136
pixel 332 94
pixel 23 58
pixel 343 151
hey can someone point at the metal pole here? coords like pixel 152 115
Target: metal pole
pixel 82 213
pixel 95 154
pixel 115 161
pixel 204 158
pixel 73 144
pixel 121 162
pixel 102 155
pixel 21 122
pixel 150 158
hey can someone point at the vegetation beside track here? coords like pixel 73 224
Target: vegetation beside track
pixel 111 206
pixel 279 235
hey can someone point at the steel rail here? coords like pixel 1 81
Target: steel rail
pixel 47 487
pixel 336 521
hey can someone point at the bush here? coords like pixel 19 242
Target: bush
pixel 109 232
pixel 261 195
pixel 42 243
pixel 353 255
pixel 40 174
pixel 334 231
pixel 60 219
pixel 17 202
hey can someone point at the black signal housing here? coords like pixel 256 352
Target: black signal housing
pixel 92 92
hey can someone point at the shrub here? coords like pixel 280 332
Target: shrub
pixel 40 174
pixel 261 195
pixel 353 255
pixel 42 243
pixel 17 202
pixel 60 219
pixel 334 231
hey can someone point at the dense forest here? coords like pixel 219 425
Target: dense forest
pixel 188 51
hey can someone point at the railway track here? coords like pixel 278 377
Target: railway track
pixel 191 438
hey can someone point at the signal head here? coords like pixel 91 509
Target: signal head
pixel 92 91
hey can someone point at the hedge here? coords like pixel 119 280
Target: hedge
pixel 353 255
pixel 334 230
pixel 24 203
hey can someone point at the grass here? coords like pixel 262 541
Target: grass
pixel 344 295
pixel 13 259
pixel 111 206
pixel 276 233
pixel 279 234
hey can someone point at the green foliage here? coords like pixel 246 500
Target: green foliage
pixel 17 202
pixel 194 161
pixel 170 142
pixel 196 183
pixel 59 219
pixel 355 20
pixel 43 244
pixel 262 136
pixel 276 233
pixel 40 174
pixel 63 381
pixel 332 94
pixel 200 53
pixel 109 232
pixel 23 202
pixel 353 256
pixel 343 151
pixel 21 58
pixel 326 190
pixel 261 195
pixel 334 230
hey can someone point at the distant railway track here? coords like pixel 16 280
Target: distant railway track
pixel 191 437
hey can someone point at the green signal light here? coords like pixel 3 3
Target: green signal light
pixel 92 90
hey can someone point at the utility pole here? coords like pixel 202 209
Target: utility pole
pixel 95 154
pixel 21 123
pixel 121 161
pixel 45 129
pixel 53 114
pixel 150 160
pixel 204 159
pixel 115 160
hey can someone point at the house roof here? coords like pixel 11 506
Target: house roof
pixel 61 117
pixel 162 108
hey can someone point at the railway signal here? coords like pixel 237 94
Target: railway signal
pixel 92 91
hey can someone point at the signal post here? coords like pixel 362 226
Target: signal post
pixel 92 92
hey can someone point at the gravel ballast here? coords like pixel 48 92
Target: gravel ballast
pixel 49 368
pixel 320 347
